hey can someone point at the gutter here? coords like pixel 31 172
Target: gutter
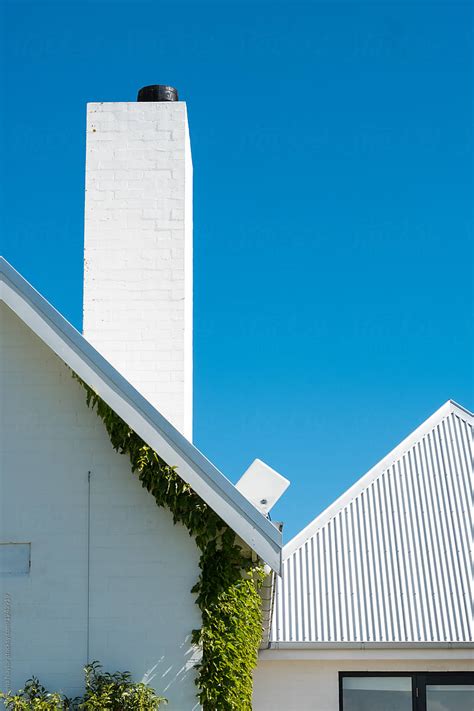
pixel 368 645
pixel 368 652
pixel 267 595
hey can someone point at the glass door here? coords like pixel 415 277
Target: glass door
pixel 377 693
pixel 446 691
pixel 406 691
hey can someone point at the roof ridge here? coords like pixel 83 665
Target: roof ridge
pixel 449 407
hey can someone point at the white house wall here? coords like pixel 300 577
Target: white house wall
pixel 125 600
pixel 260 534
pixel 314 685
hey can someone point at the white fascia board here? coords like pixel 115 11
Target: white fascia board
pixel 421 652
pixel 206 480
pixel 301 537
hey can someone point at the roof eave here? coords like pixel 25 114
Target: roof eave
pixel 365 651
pixel 213 487
pixel 370 645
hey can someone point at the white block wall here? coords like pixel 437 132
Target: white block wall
pixel 314 685
pixel 138 249
pixel 137 611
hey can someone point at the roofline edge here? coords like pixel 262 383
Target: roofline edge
pixel 257 531
pixel 447 408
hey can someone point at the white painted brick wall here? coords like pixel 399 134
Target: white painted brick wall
pixel 142 567
pixel 305 685
pixel 138 249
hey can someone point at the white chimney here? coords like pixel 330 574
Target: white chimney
pixel 138 279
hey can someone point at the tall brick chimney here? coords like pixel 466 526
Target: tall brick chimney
pixel 138 279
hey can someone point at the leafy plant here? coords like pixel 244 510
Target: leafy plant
pixel 104 691
pixel 229 581
pixel 116 692
pixel 34 696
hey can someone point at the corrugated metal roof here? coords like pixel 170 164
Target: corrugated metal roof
pixel 389 562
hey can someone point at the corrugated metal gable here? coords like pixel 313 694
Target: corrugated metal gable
pixel 392 564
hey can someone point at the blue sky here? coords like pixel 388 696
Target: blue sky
pixel 332 147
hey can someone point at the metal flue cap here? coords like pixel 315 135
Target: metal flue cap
pixel 158 92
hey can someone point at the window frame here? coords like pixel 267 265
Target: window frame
pixel 426 678
pixel 419 681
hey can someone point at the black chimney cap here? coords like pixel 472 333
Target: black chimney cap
pixel 158 92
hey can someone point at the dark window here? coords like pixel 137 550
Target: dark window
pixel 407 691
pixel 373 693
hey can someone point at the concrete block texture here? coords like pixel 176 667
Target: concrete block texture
pixel 138 279
pixel 110 575
pixel 303 685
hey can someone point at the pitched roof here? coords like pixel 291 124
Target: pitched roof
pixel 388 562
pixel 213 487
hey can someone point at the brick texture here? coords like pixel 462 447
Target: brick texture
pixel 138 249
pixel 128 600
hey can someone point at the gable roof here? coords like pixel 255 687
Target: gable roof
pixel 388 562
pixel 214 488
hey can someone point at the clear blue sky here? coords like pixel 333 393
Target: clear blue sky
pixel 332 147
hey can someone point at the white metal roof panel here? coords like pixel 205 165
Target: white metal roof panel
pixel 389 562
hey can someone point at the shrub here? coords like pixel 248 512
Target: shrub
pixel 116 692
pixel 34 696
pixel 104 691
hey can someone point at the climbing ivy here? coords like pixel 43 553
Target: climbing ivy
pixel 229 581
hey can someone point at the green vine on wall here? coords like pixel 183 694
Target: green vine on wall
pixel 229 582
